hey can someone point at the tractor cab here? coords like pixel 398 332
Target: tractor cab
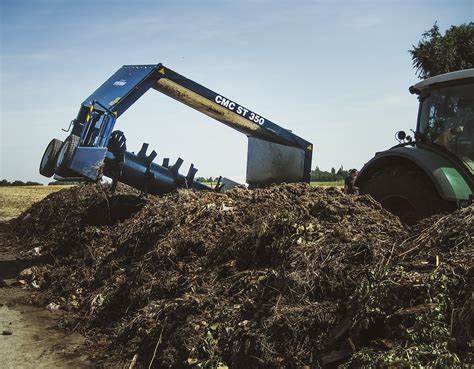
pixel 446 114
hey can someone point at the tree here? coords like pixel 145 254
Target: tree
pixel 318 175
pixel 341 173
pixel 32 183
pixel 437 54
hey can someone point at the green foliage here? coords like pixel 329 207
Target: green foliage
pixel 437 54
pixel 4 183
pixel 63 183
pixel 419 339
pixel 204 179
pixel 318 175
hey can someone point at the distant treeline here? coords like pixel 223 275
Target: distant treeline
pixel 318 175
pixel 63 183
pixel 4 183
pixel 204 179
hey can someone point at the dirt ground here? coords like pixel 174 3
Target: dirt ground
pixel 30 337
pixel 15 199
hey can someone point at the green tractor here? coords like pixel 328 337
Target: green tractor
pixel 433 172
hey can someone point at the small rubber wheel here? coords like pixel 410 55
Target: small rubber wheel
pixel 117 143
pixel 406 192
pixel 65 155
pixel 48 161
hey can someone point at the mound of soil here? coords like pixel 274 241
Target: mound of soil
pixel 285 276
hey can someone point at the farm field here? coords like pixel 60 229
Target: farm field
pixel 328 184
pixel 15 199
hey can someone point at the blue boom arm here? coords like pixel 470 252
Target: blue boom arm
pixel 99 112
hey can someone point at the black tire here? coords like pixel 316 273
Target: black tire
pixel 48 161
pixel 65 155
pixel 117 144
pixel 406 192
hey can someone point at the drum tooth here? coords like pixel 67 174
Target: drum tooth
pixel 142 152
pixel 151 157
pixel 177 165
pixel 190 176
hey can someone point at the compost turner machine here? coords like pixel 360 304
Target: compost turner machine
pixel 93 149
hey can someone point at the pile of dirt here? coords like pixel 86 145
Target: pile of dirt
pixel 65 222
pixel 285 276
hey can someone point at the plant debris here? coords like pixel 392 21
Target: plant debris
pixel 286 276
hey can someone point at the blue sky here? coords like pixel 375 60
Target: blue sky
pixel 334 72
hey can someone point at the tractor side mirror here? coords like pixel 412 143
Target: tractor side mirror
pixel 401 135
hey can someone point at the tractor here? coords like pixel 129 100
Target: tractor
pixel 433 171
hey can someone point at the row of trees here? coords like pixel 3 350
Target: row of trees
pixel 204 179
pixel 63 183
pixel 318 175
pixel 4 183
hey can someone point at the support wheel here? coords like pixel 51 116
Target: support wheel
pixel 117 144
pixel 406 192
pixel 50 155
pixel 65 155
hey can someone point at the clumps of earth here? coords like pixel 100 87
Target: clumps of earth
pixel 288 276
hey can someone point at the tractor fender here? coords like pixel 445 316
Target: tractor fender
pixel 445 175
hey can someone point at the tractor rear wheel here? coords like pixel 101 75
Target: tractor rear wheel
pixel 406 192
pixel 50 155
pixel 65 155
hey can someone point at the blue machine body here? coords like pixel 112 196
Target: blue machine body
pixel 99 112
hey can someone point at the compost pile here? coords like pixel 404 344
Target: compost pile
pixel 287 276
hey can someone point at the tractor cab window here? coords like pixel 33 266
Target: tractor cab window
pixel 447 119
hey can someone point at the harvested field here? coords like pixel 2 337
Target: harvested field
pixel 328 184
pixel 288 276
pixel 16 199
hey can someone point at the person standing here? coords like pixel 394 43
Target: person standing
pixel 349 187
